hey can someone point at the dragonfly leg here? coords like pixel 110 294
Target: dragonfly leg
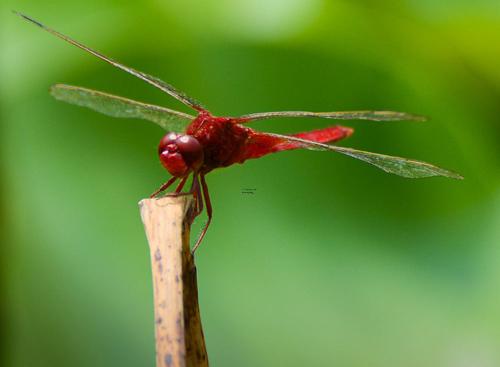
pixel 179 188
pixel 200 201
pixel 209 213
pixel 195 191
pixel 181 185
pixel 163 187
pixel 194 185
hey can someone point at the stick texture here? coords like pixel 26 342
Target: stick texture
pixel 179 334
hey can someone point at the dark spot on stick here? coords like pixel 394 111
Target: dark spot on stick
pixel 158 321
pixel 157 254
pixel 168 359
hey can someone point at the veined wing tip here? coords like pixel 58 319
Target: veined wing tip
pixel 55 89
pixel 58 85
pixel 414 117
pixel 29 19
pixel 451 174
pixel 401 116
pixel 420 118
pixel 456 176
pixel 22 15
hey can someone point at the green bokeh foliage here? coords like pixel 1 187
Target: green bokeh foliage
pixel 331 262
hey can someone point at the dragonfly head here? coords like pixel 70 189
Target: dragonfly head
pixel 180 154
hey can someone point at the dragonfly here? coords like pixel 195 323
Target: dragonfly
pixel 196 144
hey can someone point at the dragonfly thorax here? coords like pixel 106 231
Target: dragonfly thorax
pixel 180 154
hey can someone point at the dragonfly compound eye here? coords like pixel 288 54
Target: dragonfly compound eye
pixel 167 140
pixel 191 151
pixel 180 154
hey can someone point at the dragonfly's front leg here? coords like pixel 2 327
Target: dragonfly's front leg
pixel 178 189
pixel 181 185
pixel 163 187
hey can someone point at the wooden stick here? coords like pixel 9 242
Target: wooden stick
pixel 179 335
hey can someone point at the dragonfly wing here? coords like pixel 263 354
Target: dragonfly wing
pixel 165 87
pixel 116 106
pixel 345 115
pixel 396 165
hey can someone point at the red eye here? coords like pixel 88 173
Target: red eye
pixel 188 144
pixel 174 163
pixel 166 140
pixel 191 150
pixel 180 154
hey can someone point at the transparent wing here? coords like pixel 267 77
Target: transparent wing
pixel 396 165
pixel 167 88
pixel 346 115
pixel 115 106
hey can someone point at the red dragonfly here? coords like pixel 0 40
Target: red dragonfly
pixel 197 144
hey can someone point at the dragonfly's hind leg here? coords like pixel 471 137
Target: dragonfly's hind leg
pixel 208 204
pixel 199 200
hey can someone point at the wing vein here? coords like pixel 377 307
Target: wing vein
pixel 341 115
pixel 404 167
pixel 117 106
pixel 165 87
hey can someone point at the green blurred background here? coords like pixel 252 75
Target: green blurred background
pixel 332 262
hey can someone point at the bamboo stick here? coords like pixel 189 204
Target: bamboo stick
pixel 178 330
